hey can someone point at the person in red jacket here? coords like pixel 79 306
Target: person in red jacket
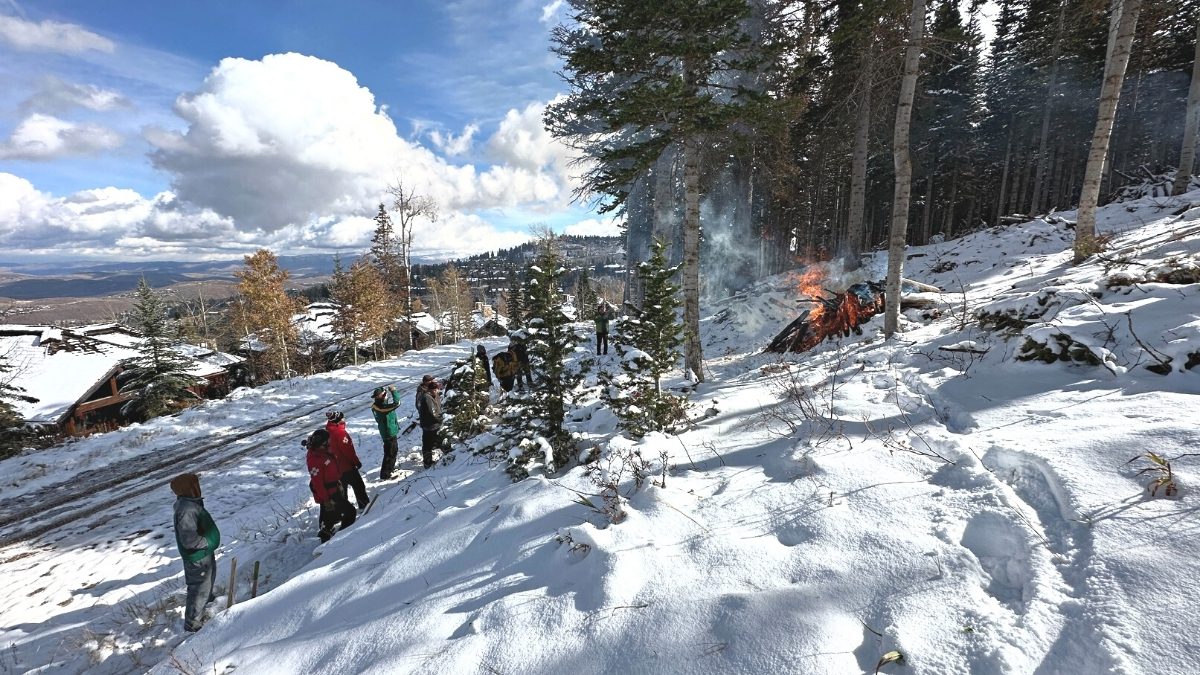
pixel 325 481
pixel 348 461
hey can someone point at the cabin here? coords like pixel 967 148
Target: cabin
pixel 67 377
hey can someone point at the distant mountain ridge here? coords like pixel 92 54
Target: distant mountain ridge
pixel 81 279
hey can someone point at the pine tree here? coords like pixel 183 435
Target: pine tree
pixel 466 401
pixel 648 76
pixel 156 381
pixel 648 341
pixel 551 341
pixel 13 433
pixel 515 299
pixel 263 311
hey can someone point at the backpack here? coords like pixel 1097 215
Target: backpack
pixel 504 365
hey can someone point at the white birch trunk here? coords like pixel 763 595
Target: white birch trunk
pixel 1187 155
pixel 903 163
pixel 1120 38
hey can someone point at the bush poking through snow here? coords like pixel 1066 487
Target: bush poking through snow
pixel 1158 469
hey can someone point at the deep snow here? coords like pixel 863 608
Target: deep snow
pixel 973 511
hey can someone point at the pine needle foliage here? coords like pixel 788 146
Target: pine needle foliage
pixel 649 341
pixel 551 340
pixel 156 381
pixel 466 402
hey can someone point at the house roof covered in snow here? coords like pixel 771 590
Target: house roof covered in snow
pixel 55 368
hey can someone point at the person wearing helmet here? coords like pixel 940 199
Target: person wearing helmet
pixel 385 401
pixel 325 481
pixel 348 461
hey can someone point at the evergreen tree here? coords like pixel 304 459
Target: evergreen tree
pixel 551 341
pixel 156 381
pixel 466 401
pixel 648 76
pixel 648 341
pixel 13 433
pixel 515 299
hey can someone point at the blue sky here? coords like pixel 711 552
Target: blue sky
pixel 165 129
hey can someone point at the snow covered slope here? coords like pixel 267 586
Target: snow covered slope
pixel 974 511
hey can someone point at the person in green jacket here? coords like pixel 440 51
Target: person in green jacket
pixel 384 408
pixel 197 537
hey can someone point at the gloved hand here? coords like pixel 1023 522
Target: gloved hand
pixel 358 466
pixel 392 388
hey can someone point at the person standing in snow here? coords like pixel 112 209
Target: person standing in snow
pixel 603 316
pixel 429 416
pixel 348 461
pixel 325 481
pixel 384 408
pixel 481 354
pixel 519 349
pixel 505 365
pixel 197 537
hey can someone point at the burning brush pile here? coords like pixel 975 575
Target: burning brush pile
pixel 833 314
pixel 838 314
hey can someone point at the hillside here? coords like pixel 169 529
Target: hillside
pixel 935 494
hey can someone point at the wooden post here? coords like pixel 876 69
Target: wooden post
pixel 232 583
pixel 254 581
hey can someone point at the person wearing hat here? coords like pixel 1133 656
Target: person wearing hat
pixel 384 409
pixel 325 481
pixel 348 461
pixel 197 537
pixel 429 416
pixel 481 354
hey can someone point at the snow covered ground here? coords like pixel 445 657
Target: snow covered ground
pixel 973 511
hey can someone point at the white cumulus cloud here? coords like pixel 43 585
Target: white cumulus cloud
pixel 606 227
pixel 291 139
pixel 452 145
pixel 51 36
pixel 42 137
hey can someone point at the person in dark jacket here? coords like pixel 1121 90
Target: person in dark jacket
pixel 517 346
pixel 429 416
pixel 384 408
pixel 325 481
pixel 481 354
pixel 197 537
pixel 602 318
pixel 348 461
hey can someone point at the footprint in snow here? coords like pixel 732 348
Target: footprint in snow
pixel 1003 552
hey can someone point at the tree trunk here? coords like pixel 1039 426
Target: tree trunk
pixel 852 246
pixel 1004 174
pixel 1187 154
pixel 903 163
pixel 927 212
pixel 694 357
pixel 948 222
pixel 1047 109
pixel 1120 37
